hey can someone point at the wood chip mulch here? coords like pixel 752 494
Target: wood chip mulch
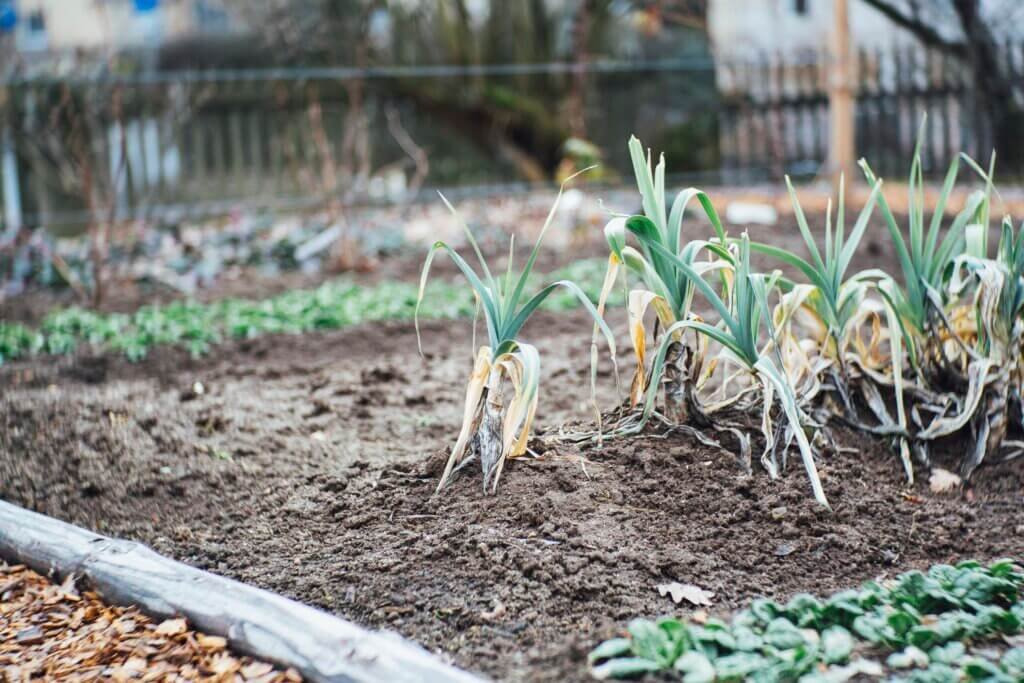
pixel 57 633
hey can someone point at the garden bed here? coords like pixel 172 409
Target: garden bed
pixel 305 465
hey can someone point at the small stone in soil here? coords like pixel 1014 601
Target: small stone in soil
pixel 785 550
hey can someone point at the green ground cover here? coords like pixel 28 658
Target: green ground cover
pixel 945 625
pixel 198 326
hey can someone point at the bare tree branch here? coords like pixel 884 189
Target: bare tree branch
pixel 913 23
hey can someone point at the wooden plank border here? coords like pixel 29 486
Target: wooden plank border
pixel 322 647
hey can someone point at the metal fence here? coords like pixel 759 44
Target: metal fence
pixel 172 144
pixel 166 145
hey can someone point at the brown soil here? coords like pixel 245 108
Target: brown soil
pixel 306 466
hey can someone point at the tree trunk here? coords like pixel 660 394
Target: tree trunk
pixel 995 85
pixel 980 49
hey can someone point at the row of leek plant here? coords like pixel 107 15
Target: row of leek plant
pixel 942 344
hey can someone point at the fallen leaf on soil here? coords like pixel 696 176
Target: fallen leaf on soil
pixel 56 633
pixel 136 664
pixel 212 642
pixel 256 669
pixel 943 481
pixel 224 664
pixel 694 595
pixel 30 636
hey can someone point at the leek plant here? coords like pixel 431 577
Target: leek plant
pixel 989 323
pixel 665 288
pixel 834 307
pixel 984 350
pixel 924 259
pixel 671 272
pixel 742 315
pixel 493 429
pixel 833 301
pixel 947 378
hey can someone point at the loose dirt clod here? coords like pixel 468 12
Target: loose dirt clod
pixel 51 633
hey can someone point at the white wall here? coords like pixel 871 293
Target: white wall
pixel 93 24
pixel 742 28
pixel 746 28
pixel 68 24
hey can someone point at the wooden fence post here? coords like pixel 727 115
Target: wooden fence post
pixel 840 97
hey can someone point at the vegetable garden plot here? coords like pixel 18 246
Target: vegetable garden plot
pixel 951 623
pixel 307 464
pixel 301 469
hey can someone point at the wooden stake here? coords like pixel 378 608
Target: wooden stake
pixel 840 97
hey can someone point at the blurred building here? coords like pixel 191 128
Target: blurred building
pixel 740 29
pixel 752 29
pixel 47 26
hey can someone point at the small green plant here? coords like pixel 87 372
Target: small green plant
pixel 921 618
pixel 492 429
pixel 200 326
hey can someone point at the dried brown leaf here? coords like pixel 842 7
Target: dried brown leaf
pixel 255 670
pixel 172 627
pixel 695 595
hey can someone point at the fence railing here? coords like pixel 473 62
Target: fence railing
pixel 75 151
pixel 774 111
pixel 200 142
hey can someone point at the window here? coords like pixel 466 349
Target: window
pixel 211 18
pixel 37 22
pixel 32 36
pixel 800 7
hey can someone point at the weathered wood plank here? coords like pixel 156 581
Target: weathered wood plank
pixel 322 647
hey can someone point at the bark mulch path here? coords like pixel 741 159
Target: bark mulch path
pixel 50 632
